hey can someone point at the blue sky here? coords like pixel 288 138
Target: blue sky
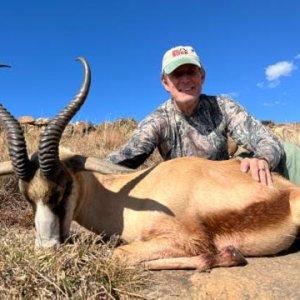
pixel 250 49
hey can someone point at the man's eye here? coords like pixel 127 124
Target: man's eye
pixel 182 73
pixel 193 72
pixel 178 74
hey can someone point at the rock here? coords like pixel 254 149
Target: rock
pixel 26 120
pixel 42 121
pixel 82 128
pixel 271 278
pixel 268 123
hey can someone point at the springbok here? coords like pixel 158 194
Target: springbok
pixel 186 213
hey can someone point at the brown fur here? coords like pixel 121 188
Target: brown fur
pixel 184 213
pixel 251 218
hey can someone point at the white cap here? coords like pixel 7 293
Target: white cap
pixel 178 56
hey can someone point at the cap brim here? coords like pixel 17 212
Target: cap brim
pixel 179 62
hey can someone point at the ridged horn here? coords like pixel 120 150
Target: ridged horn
pixel 49 141
pixel 16 145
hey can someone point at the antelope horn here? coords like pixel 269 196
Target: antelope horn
pixel 16 145
pixel 80 162
pixel 49 140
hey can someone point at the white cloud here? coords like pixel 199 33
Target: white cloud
pixel 270 85
pixel 272 103
pixel 282 68
pixel 260 85
pixel 274 72
pixel 273 84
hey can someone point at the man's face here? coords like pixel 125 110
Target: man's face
pixel 184 83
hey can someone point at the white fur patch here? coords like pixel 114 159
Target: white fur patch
pixel 47 227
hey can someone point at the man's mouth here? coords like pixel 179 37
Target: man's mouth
pixel 186 90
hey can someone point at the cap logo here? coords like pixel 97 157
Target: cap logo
pixel 180 51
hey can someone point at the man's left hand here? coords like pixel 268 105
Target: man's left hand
pixel 259 169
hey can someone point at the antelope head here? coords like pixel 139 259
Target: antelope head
pixel 43 179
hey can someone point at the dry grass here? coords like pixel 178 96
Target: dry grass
pixel 290 133
pixel 14 211
pixel 82 268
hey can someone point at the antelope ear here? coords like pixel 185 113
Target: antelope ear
pixel 83 163
pixel 6 168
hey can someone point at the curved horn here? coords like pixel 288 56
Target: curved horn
pixel 49 141
pixel 16 145
pixel 103 166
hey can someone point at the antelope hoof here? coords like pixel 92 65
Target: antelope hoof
pixel 230 256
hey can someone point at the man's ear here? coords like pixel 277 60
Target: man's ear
pixel 165 84
pixel 203 73
pixel 203 78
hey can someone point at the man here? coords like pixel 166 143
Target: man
pixel 194 124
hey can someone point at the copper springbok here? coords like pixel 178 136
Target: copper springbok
pixel 186 213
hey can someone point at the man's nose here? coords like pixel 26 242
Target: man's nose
pixel 186 77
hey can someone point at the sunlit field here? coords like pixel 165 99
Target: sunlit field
pixel 82 268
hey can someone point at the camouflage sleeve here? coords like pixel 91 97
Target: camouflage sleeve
pixel 252 135
pixel 143 142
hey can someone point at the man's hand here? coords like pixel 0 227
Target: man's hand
pixel 259 169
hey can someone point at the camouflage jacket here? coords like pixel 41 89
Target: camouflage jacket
pixel 202 134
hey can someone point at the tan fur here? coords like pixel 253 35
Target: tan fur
pixel 184 213
pixel 189 207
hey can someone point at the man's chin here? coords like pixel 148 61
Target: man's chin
pixel 187 99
